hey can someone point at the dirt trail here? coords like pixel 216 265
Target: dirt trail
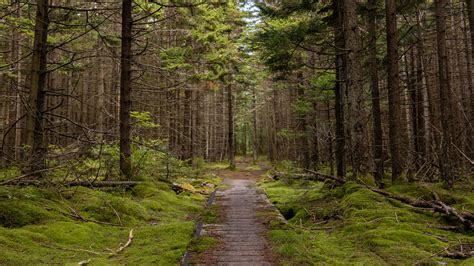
pixel 244 211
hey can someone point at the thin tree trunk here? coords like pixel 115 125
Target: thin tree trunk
pixel 231 137
pixel 339 92
pixel 125 84
pixel 254 122
pixel 101 94
pixel 393 89
pixel 187 121
pixel 19 77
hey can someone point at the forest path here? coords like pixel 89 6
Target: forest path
pixel 241 226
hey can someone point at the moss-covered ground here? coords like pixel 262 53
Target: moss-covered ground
pixel 350 224
pixel 67 225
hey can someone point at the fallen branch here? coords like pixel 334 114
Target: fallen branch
pixel 103 183
pixel 122 247
pixel 18 179
pixel 75 214
pixel 464 217
pixel 313 175
pixel 459 255
pixel 325 176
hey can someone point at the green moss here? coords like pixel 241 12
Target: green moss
pixel 202 243
pixel 210 215
pixel 363 227
pixel 36 227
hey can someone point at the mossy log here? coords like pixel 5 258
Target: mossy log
pixel 90 184
pixel 311 175
pixel 463 217
pixel 103 183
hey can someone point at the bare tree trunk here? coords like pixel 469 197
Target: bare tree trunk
pixel 36 101
pixel 374 86
pixel 444 93
pixel 254 122
pixel 339 92
pixel 187 121
pixel 355 83
pixel 393 89
pixel 19 77
pixel 100 94
pixel 231 137
pixel 470 64
pixel 125 84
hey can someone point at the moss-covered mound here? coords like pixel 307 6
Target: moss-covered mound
pixel 353 225
pixel 69 225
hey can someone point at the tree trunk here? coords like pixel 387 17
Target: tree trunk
pixel 339 92
pixel 125 84
pixel 470 63
pixel 445 162
pixel 374 86
pixel 355 83
pixel 187 121
pixel 36 101
pixel 101 94
pixel 230 124
pixel 393 88
pixel 19 76
pixel 254 122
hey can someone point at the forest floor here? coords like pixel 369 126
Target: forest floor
pixel 239 215
pixel 325 224
pixel 349 224
pixel 63 225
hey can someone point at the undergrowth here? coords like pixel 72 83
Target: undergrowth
pixel 353 225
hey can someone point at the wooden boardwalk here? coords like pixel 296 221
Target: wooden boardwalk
pixel 245 211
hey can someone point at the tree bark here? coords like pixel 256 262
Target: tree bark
pixel 254 127
pixel 393 89
pixel 470 63
pixel 355 83
pixel 36 100
pixel 377 135
pixel 125 88
pixel 339 91
pixel 444 93
pixel 230 125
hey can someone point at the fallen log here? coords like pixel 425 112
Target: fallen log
pixel 312 175
pixel 103 183
pixel 325 176
pixel 19 179
pixel 459 255
pixel 465 218
pixel 91 184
